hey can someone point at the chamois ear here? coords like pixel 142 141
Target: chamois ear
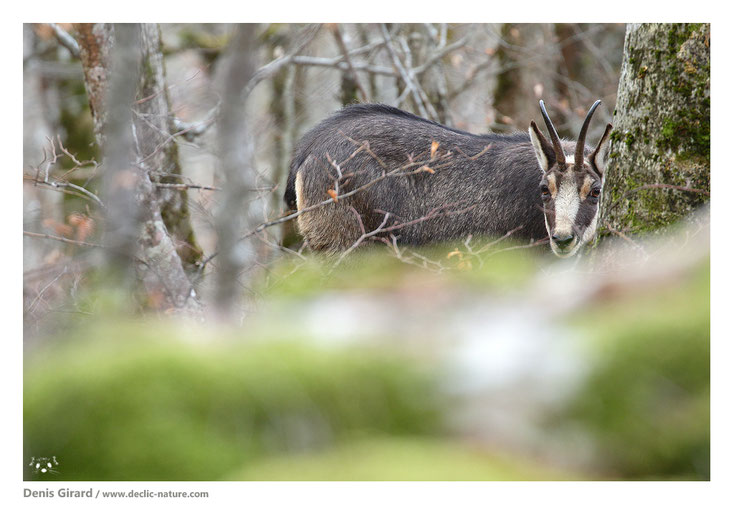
pixel 543 149
pixel 598 158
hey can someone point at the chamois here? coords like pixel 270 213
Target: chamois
pixel 378 170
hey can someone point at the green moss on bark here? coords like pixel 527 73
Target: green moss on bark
pixel 662 129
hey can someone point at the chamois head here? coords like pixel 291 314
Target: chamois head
pixel 571 185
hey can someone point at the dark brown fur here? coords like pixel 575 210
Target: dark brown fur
pixel 466 192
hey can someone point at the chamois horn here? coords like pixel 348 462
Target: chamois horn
pixel 560 156
pixel 581 143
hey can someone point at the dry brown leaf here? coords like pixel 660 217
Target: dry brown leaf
pixel 61 229
pixel 333 194
pixel 84 225
pixel 434 148
pixel 453 253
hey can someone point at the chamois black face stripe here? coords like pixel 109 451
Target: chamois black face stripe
pixel 550 214
pixel 585 216
pixel 587 207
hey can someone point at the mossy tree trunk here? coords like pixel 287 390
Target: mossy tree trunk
pixel 659 163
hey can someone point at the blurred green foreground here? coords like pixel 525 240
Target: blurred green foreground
pixel 115 399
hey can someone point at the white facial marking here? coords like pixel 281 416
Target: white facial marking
pixel 567 204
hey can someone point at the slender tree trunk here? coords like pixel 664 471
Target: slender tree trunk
pixel 659 167
pixel 236 151
pixel 111 59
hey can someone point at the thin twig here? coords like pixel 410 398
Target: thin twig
pixel 363 237
pixel 306 35
pixel 60 239
pixel 40 293
pixel 407 79
pixel 435 57
pixel 65 39
pixel 338 63
pixel 61 184
pixel 182 187
pixel 345 54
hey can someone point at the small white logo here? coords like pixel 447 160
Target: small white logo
pixel 44 465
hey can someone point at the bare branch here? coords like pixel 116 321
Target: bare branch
pixel 65 39
pixel 192 130
pixel 341 65
pixel 181 187
pixel 435 57
pixel 363 237
pixel 271 68
pixel 32 305
pixel 404 74
pixel 345 54
pixel 77 190
pixel 60 239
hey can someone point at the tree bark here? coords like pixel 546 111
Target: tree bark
pixel 136 227
pixel 153 120
pixel 154 124
pixel 659 163
pixel 236 152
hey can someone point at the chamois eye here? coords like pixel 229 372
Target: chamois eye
pixel 595 192
pixel 544 191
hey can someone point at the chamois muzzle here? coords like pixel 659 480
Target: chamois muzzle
pixel 563 241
